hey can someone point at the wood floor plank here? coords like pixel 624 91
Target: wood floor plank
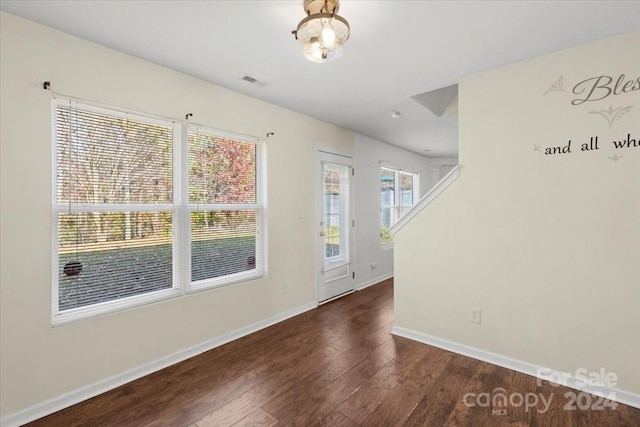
pixel 333 419
pixel 336 365
pixel 343 363
pixel 472 411
pixel 397 407
pixel 319 393
pixel 418 369
pixel 436 405
pixel 368 396
pixel 192 409
pixel 247 402
pixel 306 403
pixel 257 418
pixel 605 413
pixel 516 385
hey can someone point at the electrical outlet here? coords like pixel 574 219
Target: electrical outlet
pixel 474 315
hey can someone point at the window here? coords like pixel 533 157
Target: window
pixel 131 228
pixel 224 210
pixel 398 193
pixel 336 214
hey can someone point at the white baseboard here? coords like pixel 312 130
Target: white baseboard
pixel 374 281
pixel 620 396
pixel 76 396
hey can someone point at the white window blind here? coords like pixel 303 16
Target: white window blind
pixel 114 191
pixel 129 230
pixel 225 214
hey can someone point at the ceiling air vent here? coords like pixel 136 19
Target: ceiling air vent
pixel 254 81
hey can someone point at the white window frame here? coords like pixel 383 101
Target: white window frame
pixel 258 207
pixel 180 209
pixel 397 205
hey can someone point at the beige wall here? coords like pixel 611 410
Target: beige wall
pixel 39 362
pixel 368 155
pixel 547 246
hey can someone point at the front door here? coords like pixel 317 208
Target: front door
pixel 335 231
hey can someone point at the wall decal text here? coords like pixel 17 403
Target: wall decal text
pixel 600 87
pixel 592 145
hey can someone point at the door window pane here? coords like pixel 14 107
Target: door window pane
pixel 336 188
pixel 332 223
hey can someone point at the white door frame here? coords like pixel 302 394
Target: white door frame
pixel 326 156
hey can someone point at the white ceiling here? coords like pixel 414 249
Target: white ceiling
pixel 397 49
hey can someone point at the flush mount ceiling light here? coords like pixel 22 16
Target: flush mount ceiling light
pixel 323 32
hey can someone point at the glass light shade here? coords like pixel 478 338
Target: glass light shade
pixel 328 36
pixel 323 36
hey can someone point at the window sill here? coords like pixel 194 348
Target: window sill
pixel 83 313
pixel 232 279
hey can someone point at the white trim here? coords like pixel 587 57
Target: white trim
pixel 620 396
pixel 323 156
pixel 182 216
pixel 76 396
pixel 195 207
pixel 261 200
pixel 77 314
pixel 222 281
pixel 374 281
pixel 426 199
pixel 336 297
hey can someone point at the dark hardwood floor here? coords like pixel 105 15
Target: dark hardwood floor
pixel 337 365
